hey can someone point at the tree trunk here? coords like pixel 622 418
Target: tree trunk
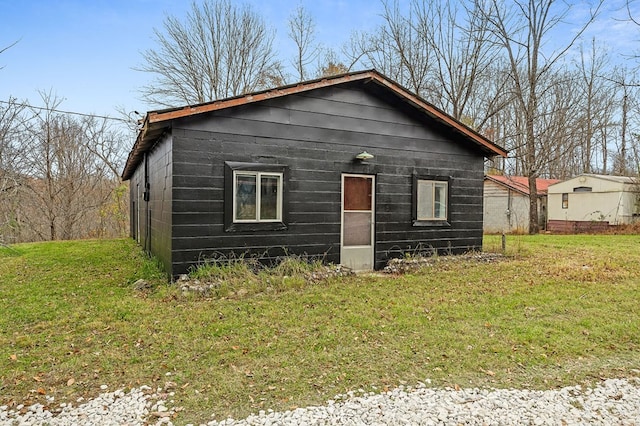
pixel 532 174
pixel 534 226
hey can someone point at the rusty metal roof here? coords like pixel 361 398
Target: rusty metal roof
pixel 157 122
pixel 521 183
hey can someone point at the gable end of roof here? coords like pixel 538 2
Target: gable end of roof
pixel 157 122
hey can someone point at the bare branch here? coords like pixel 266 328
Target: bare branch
pixel 302 33
pixel 4 49
pixel 630 14
pixel 219 50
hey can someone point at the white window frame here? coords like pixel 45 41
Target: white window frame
pixel 434 183
pixel 258 176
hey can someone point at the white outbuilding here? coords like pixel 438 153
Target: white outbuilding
pixel 592 202
pixel 506 203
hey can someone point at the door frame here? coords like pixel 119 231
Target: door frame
pixel 136 214
pixel 372 246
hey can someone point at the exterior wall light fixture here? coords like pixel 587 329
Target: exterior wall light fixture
pixel 363 156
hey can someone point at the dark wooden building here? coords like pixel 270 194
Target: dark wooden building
pixel 353 168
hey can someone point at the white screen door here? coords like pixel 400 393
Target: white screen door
pixel 358 220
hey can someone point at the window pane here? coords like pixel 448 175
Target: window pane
pixel 440 195
pixel 432 199
pixel 269 187
pixel 357 229
pixel 425 200
pixel 582 189
pixel 245 197
pixel 357 193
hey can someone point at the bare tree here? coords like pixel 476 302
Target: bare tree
pixel 11 176
pixel 355 50
pixel 4 49
pixel 634 138
pixel 461 52
pixel 399 50
pixel 107 144
pixel 521 30
pixel 302 33
pixel 46 171
pixel 624 80
pixel 68 175
pixel 559 139
pixel 60 173
pixel 220 50
pixel 597 96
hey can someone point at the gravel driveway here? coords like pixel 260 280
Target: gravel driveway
pixel 612 402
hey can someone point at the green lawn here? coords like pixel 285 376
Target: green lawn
pixel 558 310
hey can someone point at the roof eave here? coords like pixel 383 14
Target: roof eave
pixel 506 185
pixel 148 134
pixel 488 147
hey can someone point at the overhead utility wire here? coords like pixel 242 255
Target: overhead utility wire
pixel 24 104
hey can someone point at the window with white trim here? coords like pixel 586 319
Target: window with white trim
pixel 431 200
pixel 257 196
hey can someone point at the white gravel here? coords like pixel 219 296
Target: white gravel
pixel 612 402
pixel 137 407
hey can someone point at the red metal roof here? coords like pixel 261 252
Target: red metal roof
pixel 156 122
pixel 521 183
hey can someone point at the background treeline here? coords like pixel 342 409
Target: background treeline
pixel 526 73
pixel 59 174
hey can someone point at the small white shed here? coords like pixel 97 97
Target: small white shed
pixel 506 203
pixel 592 202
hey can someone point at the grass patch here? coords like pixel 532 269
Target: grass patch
pixel 220 278
pixel 559 310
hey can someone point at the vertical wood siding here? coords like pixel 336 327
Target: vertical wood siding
pixel 505 210
pixel 134 182
pixel 156 212
pixel 161 199
pixel 317 134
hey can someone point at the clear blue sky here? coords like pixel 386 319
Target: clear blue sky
pixel 84 50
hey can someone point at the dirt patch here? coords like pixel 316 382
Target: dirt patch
pixel 412 264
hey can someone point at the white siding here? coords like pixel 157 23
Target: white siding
pixel 505 210
pixel 596 183
pixel 609 201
